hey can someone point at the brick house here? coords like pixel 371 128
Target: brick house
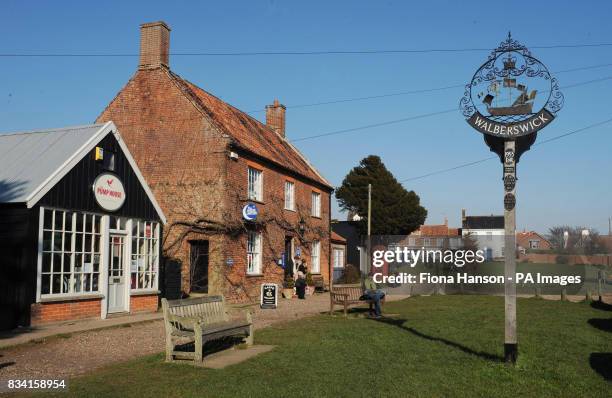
pixel 211 166
pixel 531 240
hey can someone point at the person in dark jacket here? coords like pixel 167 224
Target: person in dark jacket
pixel 300 286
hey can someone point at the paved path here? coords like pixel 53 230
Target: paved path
pixel 70 355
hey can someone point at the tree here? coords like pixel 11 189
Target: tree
pixel 395 211
pixel 578 242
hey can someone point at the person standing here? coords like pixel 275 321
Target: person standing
pixel 300 285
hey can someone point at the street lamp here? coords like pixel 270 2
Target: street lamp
pixel 302 226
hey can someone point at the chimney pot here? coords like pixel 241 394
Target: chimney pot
pixel 275 117
pixel 154 45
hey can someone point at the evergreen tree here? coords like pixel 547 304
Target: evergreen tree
pixel 395 211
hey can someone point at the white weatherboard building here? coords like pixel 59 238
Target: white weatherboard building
pixel 486 231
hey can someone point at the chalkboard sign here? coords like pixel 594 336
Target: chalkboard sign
pixel 269 295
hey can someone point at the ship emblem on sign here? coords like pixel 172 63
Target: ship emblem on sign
pixel 512 94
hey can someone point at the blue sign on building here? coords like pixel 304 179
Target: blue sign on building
pixel 249 212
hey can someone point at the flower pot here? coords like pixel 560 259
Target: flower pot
pixel 288 293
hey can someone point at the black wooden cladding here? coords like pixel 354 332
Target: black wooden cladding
pixel 19 229
pixel 18 255
pixel 74 191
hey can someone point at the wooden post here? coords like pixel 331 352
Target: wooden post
pixel 510 340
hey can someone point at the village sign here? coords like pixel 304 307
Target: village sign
pixel 510 98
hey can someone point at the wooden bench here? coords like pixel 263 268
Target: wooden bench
pixel 345 295
pixel 200 320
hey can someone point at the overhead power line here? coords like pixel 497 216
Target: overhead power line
pixel 417 91
pixel 460 166
pixel 285 53
pixel 421 116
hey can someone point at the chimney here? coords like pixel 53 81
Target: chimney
pixel 275 117
pixel 462 215
pixel 154 45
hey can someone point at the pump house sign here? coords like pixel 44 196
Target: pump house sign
pixel 512 94
pixel 109 192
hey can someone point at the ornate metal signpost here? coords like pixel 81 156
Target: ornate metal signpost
pixel 511 97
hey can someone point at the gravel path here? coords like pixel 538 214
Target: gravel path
pixel 68 356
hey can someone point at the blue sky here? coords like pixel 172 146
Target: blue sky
pixel 564 182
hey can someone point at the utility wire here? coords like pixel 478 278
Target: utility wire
pixel 418 91
pixel 580 130
pixel 421 116
pixel 319 52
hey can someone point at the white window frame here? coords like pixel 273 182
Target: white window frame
pixel 253 263
pixel 316 204
pixel 315 257
pixel 150 257
pixel 289 195
pixel 73 253
pixel 255 184
pixel 338 254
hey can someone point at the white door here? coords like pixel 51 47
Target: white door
pixel 116 279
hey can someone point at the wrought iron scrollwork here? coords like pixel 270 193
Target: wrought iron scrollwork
pixel 517 61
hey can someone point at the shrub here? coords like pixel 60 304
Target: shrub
pixel 562 259
pixel 350 274
pixel 309 280
pixel 289 282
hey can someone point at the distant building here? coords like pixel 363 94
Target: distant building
pixel 435 236
pixel 338 257
pixel 349 231
pixel 486 231
pixel 531 240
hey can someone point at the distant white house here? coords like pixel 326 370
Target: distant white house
pixel 486 231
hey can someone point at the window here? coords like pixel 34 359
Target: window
pixel 411 241
pixel 145 262
pixel 316 204
pixel 289 195
pixel 254 253
pixel 70 252
pixel 426 241
pixel 534 244
pixel 315 257
pixel 338 258
pixel 255 184
pixel 440 242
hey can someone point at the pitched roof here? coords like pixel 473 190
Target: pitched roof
pixel 436 230
pixel 249 133
pixel 28 159
pixel 483 222
pixel 32 162
pixel 527 235
pixel 337 238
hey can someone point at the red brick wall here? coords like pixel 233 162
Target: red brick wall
pixel 185 161
pixel 143 303
pixel 64 311
pixel 274 233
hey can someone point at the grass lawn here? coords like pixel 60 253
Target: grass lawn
pixel 436 346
